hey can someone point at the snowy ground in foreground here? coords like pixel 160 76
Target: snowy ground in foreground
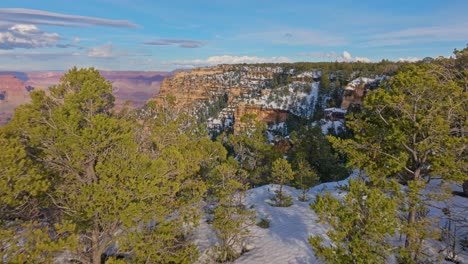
pixel 285 241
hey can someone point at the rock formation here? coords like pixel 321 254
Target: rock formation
pixel 247 91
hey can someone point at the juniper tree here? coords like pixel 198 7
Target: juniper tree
pixel 228 184
pixel 93 173
pixel 404 132
pixel 305 177
pixel 282 173
pixel 253 151
pixel 361 225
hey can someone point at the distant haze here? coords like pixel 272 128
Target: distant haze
pixel 134 86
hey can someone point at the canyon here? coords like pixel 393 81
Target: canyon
pixel 135 87
pixel 233 91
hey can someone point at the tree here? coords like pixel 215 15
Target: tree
pixel 310 144
pixel 361 225
pixel 282 173
pixel 228 184
pixel 305 177
pixel 100 176
pixel 404 132
pixel 254 153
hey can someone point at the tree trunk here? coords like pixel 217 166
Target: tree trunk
pixel 96 248
pixel 410 239
pixel 465 188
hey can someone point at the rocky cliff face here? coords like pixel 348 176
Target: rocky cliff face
pixel 13 92
pixel 262 114
pixel 247 91
pixel 355 91
pixel 201 84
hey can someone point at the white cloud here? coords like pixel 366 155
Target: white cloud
pixel 76 40
pixel 228 59
pixel 39 17
pixel 26 36
pixel 362 59
pixel 409 59
pixel 346 55
pixel 103 51
pixel 183 43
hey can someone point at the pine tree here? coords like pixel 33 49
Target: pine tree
pixel 254 153
pixel 404 132
pixel 361 225
pixel 282 173
pixel 305 177
pixel 97 174
pixel 228 184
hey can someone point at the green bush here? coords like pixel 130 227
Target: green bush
pixel 264 223
pixel 281 200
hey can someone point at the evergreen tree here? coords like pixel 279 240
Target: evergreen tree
pixel 282 173
pixel 305 177
pixel 361 225
pixel 97 178
pixel 228 184
pixel 404 132
pixel 254 153
pixel 310 144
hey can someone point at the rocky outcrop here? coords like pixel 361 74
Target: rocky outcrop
pixel 247 90
pixel 190 87
pixel 264 115
pixel 355 91
pixel 201 84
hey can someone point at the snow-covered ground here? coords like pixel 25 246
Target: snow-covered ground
pixel 286 240
pixel 327 124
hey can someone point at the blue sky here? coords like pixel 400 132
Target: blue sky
pixel 166 35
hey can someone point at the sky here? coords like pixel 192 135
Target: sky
pixel 151 35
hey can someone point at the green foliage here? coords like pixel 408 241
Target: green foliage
pixel 406 131
pixel 280 79
pixel 21 181
pixel 37 243
pixel 360 224
pixel 264 223
pixel 310 144
pixel 305 177
pixel 228 184
pixel 282 173
pixel 78 162
pixel 281 200
pixel 254 153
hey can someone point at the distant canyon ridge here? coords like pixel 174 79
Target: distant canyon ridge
pixel 134 86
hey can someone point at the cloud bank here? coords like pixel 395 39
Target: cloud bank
pixel 228 59
pixel 26 36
